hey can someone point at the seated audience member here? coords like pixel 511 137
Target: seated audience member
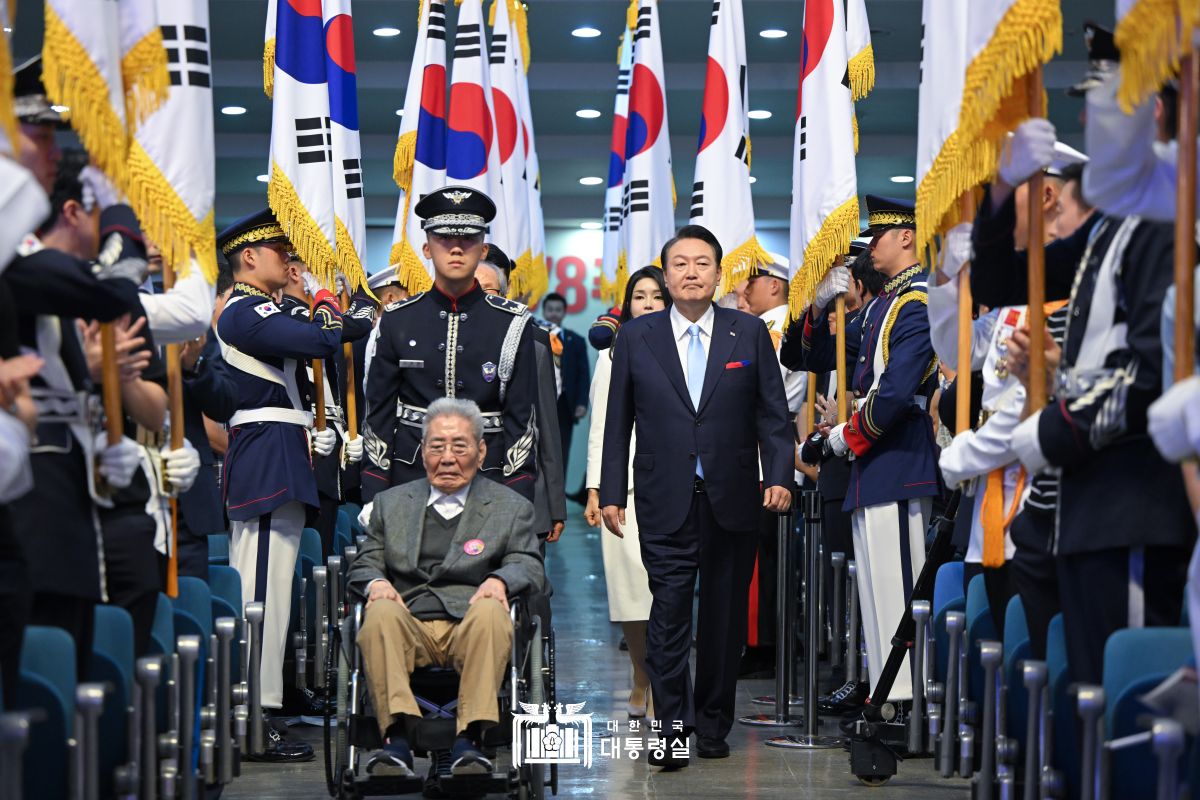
pixel 443 555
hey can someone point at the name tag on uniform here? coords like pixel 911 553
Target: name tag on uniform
pixel 266 309
pixel 411 363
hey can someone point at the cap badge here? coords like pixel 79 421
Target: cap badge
pixel 456 197
pixel 489 371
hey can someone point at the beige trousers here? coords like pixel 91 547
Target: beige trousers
pixel 394 643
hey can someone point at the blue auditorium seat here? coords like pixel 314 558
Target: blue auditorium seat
pixel 218 548
pixel 112 663
pixel 226 586
pixel 1066 727
pixel 947 597
pixel 310 545
pixel 1016 650
pixel 47 684
pixel 162 634
pixel 980 626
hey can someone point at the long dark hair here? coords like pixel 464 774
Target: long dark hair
pixel 644 272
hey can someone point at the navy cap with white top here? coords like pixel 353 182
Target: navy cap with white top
pixel 455 211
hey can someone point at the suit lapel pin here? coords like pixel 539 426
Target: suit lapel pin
pixel 473 547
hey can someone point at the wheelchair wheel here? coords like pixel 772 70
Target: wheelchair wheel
pixel 339 773
pixel 533 784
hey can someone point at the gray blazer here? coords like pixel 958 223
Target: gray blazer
pixel 495 515
pixel 549 490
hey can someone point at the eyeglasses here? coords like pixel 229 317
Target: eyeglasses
pixel 491 291
pixel 456 448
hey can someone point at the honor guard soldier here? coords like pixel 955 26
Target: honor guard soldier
pixel 894 473
pixel 268 476
pixel 453 341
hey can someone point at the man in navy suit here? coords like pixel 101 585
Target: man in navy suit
pixel 703 386
pixel 576 374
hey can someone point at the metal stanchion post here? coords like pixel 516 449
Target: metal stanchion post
pixel 320 577
pixel 226 628
pixel 1090 700
pixel 820 579
pixel 188 648
pixel 336 610
pixel 955 622
pixel 14 737
pixel 1167 741
pixel 785 594
pixel 916 719
pixel 1033 673
pixel 838 595
pixel 148 675
pixel 990 656
pixel 809 740
pixel 89 703
pixel 254 620
pixel 852 622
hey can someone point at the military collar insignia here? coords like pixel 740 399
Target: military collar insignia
pixel 504 304
pixel 456 197
pixel 246 288
pixel 402 303
pixel 903 278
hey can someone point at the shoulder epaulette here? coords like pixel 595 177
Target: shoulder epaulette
pixel 402 303
pixel 504 304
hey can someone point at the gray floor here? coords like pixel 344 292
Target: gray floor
pixel 592 669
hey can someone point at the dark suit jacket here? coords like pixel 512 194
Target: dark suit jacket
pixel 549 490
pixel 495 515
pixel 743 411
pixel 207 392
pixel 576 372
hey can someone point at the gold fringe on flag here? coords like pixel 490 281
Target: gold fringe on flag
pixel 269 68
pixel 613 292
pixel 541 279
pixel 520 18
pixel 345 256
pixel 738 262
pixel 8 118
pixel 1152 36
pixel 631 15
pixel 72 79
pixel 854 127
pixel 521 278
pixel 833 240
pixel 410 270
pixel 861 69
pixel 167 220
pixel 994 102
pixel 402 160
pixel 144 73
pixel 302 230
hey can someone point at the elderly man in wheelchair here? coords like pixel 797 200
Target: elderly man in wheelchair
pixel 442 557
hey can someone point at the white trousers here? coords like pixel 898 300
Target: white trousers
pixel 889 548
pixel 266 561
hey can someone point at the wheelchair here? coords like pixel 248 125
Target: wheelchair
pixel 351 732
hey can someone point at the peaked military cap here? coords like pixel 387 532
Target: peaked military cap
pixel 456 211
pixel 384 277
pixel 30 103
pixel 888 212
pixel 260 227
pixel 778 268
pixel 1102 57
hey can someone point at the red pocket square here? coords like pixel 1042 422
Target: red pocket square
pixel 737 364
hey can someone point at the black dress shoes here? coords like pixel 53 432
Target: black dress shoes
pixel 850 697
pixel 282 748
pixel 710 747
pixel 674 754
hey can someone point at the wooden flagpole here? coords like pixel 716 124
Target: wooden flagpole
pixel 962 383
pixel 1036 259
pixel 351 391
pixel 1185 218
pixel 810 404
pixel 175 409
pixel 840 376
pixel 110 377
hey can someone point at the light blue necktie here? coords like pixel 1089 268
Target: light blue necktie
pixel 696 365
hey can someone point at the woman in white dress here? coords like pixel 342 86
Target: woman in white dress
pixel 628 587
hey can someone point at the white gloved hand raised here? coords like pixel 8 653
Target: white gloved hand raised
pixel 117 463
pixel 956 250
pixel 836 281
pixel 364 516
pixel 1029 151
pixel 836 442
pixel 1173 420
pixel 311 285
pixel 182 465
pixel 323 441
pixel 353 449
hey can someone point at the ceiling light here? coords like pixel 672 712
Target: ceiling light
pixel 399 112
pixel 759 113
pixel 60 109
pixel 902 179
pixel 591 180
pixel 233 111
pixel 264 178
pixel 772 33
pixel 7 29
pixel 386 32
pixel 587 113
pixel 586 32
pixel 592 226
pixel 753 179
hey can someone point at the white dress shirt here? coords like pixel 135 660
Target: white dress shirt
pixel 795 383
pixel 448 506
pixel 680 325
pixel 16 473
pixel 182 313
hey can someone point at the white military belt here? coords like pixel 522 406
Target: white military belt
pixel 918 400
pixel 290 416
pixel 59 407
pixel 414 416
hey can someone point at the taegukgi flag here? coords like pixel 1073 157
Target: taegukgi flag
pixel 539 276
pixel 510 143
pixel 721 198
pixel 648 193
pixel 420 160
pixel 824 216
pixel 610 262
pixel 300 191
pixel 349 205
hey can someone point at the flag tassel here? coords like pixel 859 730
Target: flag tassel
pixel 861 68
pixel 346 256
pixel 144 72
pixel 1152 37
pixel 831 241
pixel 167 220
pixel 301 229
pixel 738 262
pixel 402 161
pixel 269 67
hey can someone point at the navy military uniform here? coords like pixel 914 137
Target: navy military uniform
pixel 476 346
pixel 268 476
pixel 894 473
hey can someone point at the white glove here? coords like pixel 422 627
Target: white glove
pixel 323 441
pixel 837 441
pixel 956 250
pixel 182 466
pixel 353 448
pixel 364 516
pixel 1029 151
pixel 1173 420
pixel 311 285
pixel 836 281
pixel 117 463
pixel 342 284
